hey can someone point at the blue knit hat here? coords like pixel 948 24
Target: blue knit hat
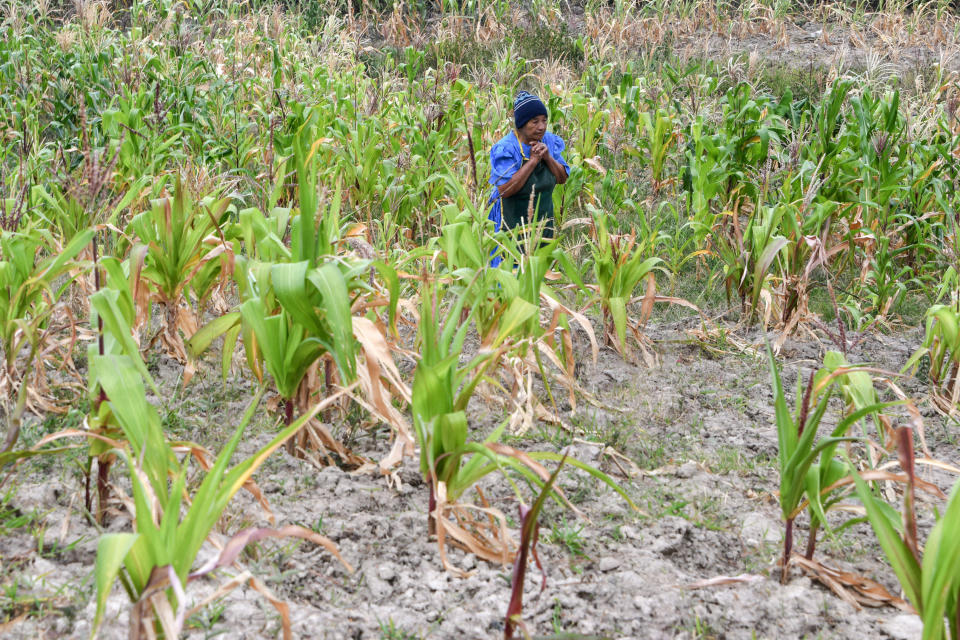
pixel 527 106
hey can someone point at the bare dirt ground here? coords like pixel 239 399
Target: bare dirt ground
pixel 699 427
pixel 881 49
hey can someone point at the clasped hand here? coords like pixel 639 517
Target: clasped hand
pixel 538 151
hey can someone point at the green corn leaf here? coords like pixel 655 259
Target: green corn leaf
pixel 222 326
pixel 618 311
pixel 290 284
pixel 518 312
pixel 218 486
pixel 899 555
pixel 812 489
pixel 229 343
pixel 115 324
pixel 112 549
pixel 120 380
pixel 60 261
pixel 940 584
pixel 763 264
pixel 336 307
pixel 948 326
pixel 583 466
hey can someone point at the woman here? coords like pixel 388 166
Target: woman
pixel 526 161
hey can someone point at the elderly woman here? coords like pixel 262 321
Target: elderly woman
pixel 527 161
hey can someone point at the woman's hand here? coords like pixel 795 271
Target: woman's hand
pixel 542 154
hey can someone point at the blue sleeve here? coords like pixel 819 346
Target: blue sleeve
pixel 556 145
pixel 504 162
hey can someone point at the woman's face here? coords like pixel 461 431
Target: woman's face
pixel 534 129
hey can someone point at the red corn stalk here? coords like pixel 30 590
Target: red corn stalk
pixel 529 532
pixel 905 454
pixel 105 460
pixel 805 405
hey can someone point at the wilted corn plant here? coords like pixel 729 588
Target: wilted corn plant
pixel 450 462
pixel 32 270
pixel 154 562
pixel 929 574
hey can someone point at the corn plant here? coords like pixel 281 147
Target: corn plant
pixel 293 317
pixel 855 386
pixel 262 234
pixel 64 211
pixel 185 254
pixel 296 313
pixel 929 575
pixel 153 563
pixel 941 346
pixel 113 312
pixel 808 466
pixel 450 462
pixel 491 294
pixel 806 227
pixel 704 176
pixel 886 281
pixel 32 280
pixel 661 137
pixel 883 168
pixel 619 267
pixel 748 255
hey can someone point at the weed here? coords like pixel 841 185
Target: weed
pixel 390 631
pixel 569 536
pixel 556 617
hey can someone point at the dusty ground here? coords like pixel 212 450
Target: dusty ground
pixel 699 426
pixel 879 50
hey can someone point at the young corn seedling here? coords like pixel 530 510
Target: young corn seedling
pixel 807 464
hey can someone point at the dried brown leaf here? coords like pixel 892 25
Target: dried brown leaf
pixel 855 589
pixel 231 551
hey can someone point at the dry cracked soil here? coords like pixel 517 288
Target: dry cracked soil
pixel 697 429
